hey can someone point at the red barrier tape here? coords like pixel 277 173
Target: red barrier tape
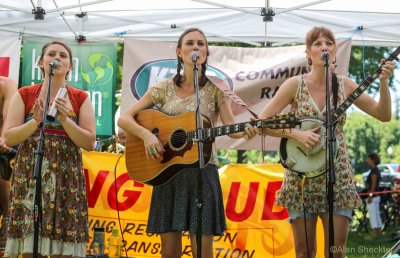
pixel 381 192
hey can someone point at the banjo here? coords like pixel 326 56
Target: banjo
pixel 311 162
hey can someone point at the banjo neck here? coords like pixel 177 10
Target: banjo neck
pixel 361 88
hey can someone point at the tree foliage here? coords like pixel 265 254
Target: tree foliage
pixel 247 157
pixel 364 60
pixel 366 135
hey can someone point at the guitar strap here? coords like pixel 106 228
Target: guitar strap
pixel 335 89
pixel 228 92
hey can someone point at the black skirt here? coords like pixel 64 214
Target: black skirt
pixel 173 204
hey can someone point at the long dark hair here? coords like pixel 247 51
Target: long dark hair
pixel 178 78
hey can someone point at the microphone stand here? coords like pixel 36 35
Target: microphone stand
pixel 37 172
pixel 200 141
pixel 331 165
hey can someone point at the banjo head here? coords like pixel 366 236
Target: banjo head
pixel 309 162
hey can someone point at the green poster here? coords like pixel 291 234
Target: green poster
pixel 94 71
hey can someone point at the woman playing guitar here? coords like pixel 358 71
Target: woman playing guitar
pixel 173 203
pixel 306 95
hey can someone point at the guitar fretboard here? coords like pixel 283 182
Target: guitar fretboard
pixel 286 121
pixel 229 129
pixel 363 86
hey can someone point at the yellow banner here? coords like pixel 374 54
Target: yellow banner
pixel 256 227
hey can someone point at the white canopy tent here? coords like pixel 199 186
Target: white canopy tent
pixel 364 21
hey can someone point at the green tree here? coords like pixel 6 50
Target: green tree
pixel 365 134
pixel 364 60
pixel 362 139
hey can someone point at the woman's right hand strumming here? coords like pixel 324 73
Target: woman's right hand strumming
pixel 152 145
pixel 308 138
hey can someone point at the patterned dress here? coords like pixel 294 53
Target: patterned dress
pixel 64 227
pixel 173 205
pixel 315 193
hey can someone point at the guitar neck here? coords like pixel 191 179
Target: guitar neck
pixel 283 122
pixel 363 86
pixel 229 129
pixel 223 130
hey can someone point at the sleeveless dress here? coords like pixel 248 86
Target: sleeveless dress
pixel 64 227
pixel 315 192
pixel 173 204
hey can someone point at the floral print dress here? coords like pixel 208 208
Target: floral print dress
pixel 315 189
pixel 64 227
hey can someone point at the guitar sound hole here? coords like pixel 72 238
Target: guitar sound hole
pixel 178 139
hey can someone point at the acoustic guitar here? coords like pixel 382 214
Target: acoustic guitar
pixel 178 136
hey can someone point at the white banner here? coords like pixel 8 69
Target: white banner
pixel 10 52
pixel 255 74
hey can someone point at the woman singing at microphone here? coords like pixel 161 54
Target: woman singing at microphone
pixel 306 200
pixel 173 204
pixel 63 229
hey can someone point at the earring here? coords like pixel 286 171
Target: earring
pixel 309 61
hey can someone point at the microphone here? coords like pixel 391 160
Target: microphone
pixel 195 55
pixel 55 64
pixel 324 56
pixel 62 93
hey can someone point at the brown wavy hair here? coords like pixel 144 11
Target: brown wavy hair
pixel 316 32
pixel 45 46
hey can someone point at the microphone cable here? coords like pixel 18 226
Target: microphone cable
pixel 124 242
pixel 360 30
pixel 303 181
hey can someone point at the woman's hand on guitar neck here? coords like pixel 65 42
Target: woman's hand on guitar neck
pixel 250 131
pixel 387 70
pixel 152 146
pixel 308 138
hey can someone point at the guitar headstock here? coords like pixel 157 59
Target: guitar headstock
pixel 281 121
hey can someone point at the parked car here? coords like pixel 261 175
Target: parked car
pixel 390 176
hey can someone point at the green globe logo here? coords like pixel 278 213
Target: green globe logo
pixel 99 70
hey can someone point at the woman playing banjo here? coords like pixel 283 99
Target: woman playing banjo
pixel 306 95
